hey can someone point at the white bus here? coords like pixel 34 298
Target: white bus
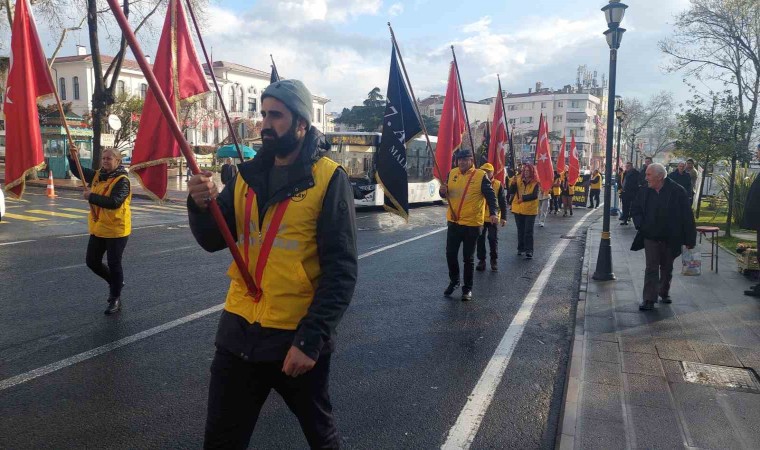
pixel 355 151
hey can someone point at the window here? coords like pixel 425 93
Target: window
pixel 216 134
pixel 512 121
pixel 233 99
pixel 578 104
pixel 512 107
pixel 143 90
pixel 543 105
pixel 319 115
pixel 560 104
pixel 558 118
pixel 204 135
pixel 252 106
pixel 527 105
pixel 241 99
pixel 120 87
pixel 62 88
pixel 75 83
pixel 526 119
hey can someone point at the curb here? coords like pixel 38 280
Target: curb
pixel 569 413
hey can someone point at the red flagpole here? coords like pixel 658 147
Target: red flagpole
pixel 216 212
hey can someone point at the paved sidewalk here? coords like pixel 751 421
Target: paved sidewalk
pixel 626 387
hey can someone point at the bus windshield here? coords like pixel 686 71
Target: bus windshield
pixel 355 152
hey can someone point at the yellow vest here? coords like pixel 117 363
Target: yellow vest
pixel 598 184
pixel 292 271
pixel 529 208
pixel 472 209
pixel 496 184
pixel 556 190
pixel 110 223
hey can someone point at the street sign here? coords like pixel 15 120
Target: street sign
pixel 114 122
pixel 107 140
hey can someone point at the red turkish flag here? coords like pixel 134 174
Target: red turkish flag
pixel 450 129
pixel 497 147
pixel 544 166
pixel 180 76
pixel 575 168
pixel 28 80
pixel 561 156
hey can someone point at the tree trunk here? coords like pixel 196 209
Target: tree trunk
pixel 702 186
pixel 98 95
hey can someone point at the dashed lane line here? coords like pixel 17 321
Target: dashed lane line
pixel 84 356
pixel 24 217
pixel 16 242
pixel 463 433
pixel 42 212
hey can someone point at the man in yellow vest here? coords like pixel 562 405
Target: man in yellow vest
pixel 595 188
pixel 292 212
pixel 469 193
pixel 489 229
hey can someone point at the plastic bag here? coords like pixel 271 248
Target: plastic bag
pixel 691 261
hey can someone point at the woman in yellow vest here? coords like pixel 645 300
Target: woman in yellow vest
pixel 525 208
pixel 595 188
pixel 110 221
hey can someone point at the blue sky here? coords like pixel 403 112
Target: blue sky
pixel 341 48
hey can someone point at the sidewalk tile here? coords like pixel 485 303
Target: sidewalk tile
pixel 747 355
pixel 655 428
pixel 745 411
pixel 601 434
pixel 706 423
pixel 637 343
pixel 626 295
pixel 603 351
pixel 602 372
pixel 631 320
pixel 676 349
pixel 674 371
pixel 601 401
pixel 642 363
pixel 719 354
pixel 600 328
pixel 645 390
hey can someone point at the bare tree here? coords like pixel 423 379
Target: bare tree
pixel 652 121
pixel 720 40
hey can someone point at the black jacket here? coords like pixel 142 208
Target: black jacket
pixel 678 218
pixel 228 173
pixel 120 190
pixel 336 243
pixel 631 184
pixel 683 179
pixel 751 220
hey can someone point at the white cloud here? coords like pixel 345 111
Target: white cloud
pixel 396 9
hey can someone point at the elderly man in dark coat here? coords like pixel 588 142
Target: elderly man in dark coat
pixel 751 220
pixel 662 215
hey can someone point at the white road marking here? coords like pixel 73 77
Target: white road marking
pixel 73 235
pixel 53 367
pixel 16 242
pixel 463 433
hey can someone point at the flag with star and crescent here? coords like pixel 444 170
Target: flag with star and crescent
pixel 543 156
pixel 400 125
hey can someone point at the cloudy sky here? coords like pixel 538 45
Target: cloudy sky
pixel 341 48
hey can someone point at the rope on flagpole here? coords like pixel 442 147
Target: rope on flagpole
pixel 213 78
pixel 155 88
pixel 464 102
pixel 419 115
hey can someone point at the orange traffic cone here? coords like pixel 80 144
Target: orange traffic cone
pixel 50 192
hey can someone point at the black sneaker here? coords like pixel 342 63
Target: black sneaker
pixel 667 300
pixel 114 305
pixel 494 266
pixel 450 290
pixel 466 295
pixel 528 255
pixel 481 265
pixel 519 253
pixel 646 306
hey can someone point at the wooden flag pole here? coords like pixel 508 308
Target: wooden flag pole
pixel 216 212
pixel 464 103
pixel 216 84
pixel 419 115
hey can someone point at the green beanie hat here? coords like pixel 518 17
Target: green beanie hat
pixel 294 95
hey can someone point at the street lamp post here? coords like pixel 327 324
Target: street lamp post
pixel 613 12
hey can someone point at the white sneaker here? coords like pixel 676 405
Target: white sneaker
pixel 541 225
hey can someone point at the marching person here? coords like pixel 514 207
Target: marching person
pixel 469 193
pixel 567 191
pixel 109 194
pixel 631 186
pixel 595 187
pixel 544 201
pixel 662 215
pixel 292 213
pixel 556 193
pixel 525 208
pixel 489 229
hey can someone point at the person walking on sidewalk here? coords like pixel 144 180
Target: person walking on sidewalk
pixel 682 177
pixel 662 215
pixel 631 186
pixel 595 187
pixel 525 208
pixel 469 194
pixel 110 221
pixel 489 229
pixel 229 171
pixel 292 212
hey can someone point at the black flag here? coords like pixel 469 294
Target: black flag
pixel 400 125
pixel 274 77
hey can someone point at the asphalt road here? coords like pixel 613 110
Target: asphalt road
pixel 406 362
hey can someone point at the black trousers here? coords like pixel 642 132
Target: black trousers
pixel 659 269
pixel 239 388
pixel 525 232
pixel 456 236
pixel 594 195
pixel 554 203
pixel 626 213
pixel 114 249
pixel 492 231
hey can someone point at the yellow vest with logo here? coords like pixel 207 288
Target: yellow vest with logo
pixel 597 185
pixel 556 190
pixel 529 208
pixel 496 184
pixel 474 205
pixel 292 271
pixel 110 223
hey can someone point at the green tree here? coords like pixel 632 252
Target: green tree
pixel 127 108
pixel 431 124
